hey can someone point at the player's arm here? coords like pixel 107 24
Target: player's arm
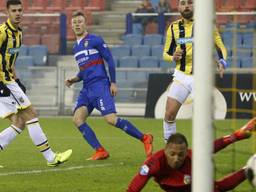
pixel 21 85
pixel 222 52
pixel 169 53
pixel 138 183
pixel 2 39
pixel 106 54
pixel 71 81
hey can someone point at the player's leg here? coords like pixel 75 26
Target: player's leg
pixel 131 130
pixel 177 94
pixel 39 138
pixel 240 134
pixel 79 119
pixel 230 181
pixel 10 133
pixel 8 109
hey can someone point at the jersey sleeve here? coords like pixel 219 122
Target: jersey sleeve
pixel 147 170
pixel 169 46
pixel 2 39
pixel 220 47
pixel 106 54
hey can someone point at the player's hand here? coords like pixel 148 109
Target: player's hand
pixel 113 89
pixel 177 54
pixel 222 65
pixel 68 82
pixel 4 90
pixel 23 88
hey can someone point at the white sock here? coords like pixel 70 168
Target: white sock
pixel 39 139
pixel 7 135
pixel 169 129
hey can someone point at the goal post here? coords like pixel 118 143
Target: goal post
pixel 202 166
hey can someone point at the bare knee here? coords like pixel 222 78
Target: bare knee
pixel 17 121
pixel 78 120
pixel 111 119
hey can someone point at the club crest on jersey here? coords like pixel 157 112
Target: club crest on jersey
pixel 144 170
pixel 187 179
pixel 21 100
pixel 86 43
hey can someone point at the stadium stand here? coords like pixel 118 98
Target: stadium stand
pixel 39 54
pixel 246 62
pixel 121 51
pixel 23 50
pixel 24 61
pixel 248 40
pixel 31 39
pixel 154 39
pixel 148 62
pixel 128 61
pixel 141 50
pixel 52 42
pixel 133 39
pixel 157 50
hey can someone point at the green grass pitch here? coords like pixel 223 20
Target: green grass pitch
pixel 25 169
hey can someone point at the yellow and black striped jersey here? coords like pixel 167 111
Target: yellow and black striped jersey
pixel 10 42
pixel 180 36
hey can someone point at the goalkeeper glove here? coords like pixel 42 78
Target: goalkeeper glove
pixel 4 90
pixel 23 88
pixel 224 63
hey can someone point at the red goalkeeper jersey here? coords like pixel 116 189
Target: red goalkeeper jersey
pixel 169 179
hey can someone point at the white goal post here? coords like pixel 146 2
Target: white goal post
pixel 203 103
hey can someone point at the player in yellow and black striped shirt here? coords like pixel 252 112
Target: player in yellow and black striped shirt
pixel 179 49
pixel 14 103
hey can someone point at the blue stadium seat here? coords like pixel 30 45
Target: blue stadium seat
pixel 234 63
pixel 24 61
pixel 153 39
pixel 121 76
pixel 137 28
pixel 23 50
pixel 228 36
pixel 132 39
pixel 141 50
pixel 121 51
pixel 148 62
pixel 165 64
pixel 243 53
pixel 157 50
pixel 248 40
pixel 39 54
pixel 247 62
pixel 128 61
pixel 137 76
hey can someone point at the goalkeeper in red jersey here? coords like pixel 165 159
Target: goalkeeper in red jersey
pixel 171 166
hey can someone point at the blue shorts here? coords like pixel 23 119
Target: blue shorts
pixel 97 96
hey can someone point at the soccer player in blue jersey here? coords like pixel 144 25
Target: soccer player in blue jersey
pixel 98 90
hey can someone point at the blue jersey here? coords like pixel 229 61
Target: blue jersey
pixel 90 53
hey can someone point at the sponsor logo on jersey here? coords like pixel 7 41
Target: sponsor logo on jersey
pixel 144 170
pixel 187 179
pixel 13 51
pixel 185 40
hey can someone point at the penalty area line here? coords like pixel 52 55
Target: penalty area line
pixel 55 169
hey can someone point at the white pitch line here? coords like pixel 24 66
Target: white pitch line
pixel 54 170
